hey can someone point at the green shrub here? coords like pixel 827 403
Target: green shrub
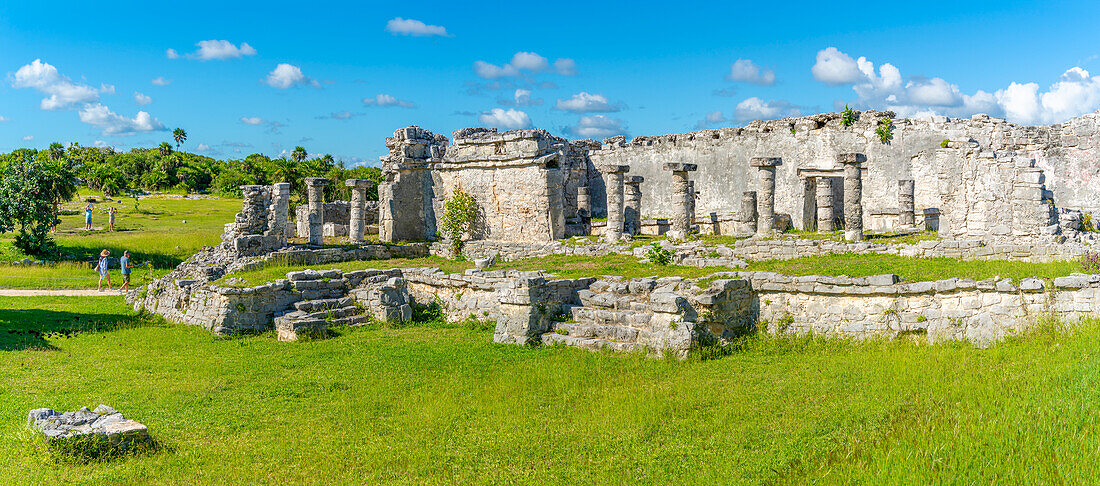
pixel 658 254
pixel 848 116
pixel 885 130
pixel 1086 223
pixel 944 143
pixel 460 212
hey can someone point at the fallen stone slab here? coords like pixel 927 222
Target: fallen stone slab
pixel 103 423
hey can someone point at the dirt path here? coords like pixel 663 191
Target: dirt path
pixel 61 293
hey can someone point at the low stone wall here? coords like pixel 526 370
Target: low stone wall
pixel 980 312
pixel 1037 250
pixel 317 256
pixel 510 251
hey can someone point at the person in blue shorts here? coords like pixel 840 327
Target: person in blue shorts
pixel 124 262
pixel 88 217
pixel 102 269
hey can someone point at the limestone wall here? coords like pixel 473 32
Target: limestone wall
pixel 1069 153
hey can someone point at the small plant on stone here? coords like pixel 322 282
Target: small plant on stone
pixel 460 212
pixel 1086 223
pixel 1090 261
pixel 658 254
pixel 848 116
pixel 921 318
pixel 785 322
pixel 885 130
pixel 793 131
pixel 944 143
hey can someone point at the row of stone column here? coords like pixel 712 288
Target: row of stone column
pixel 764 199
pixel 624 200
pixel 357 226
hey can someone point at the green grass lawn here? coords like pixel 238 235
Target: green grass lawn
pixel 852 265
pixel 443 405
pixel 153 231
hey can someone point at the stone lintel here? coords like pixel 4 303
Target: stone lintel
pixel 851 158
pixel 316 181
pixel 366 183
pixel 281 187
pixel 765 161
pixel 634 180
pixel 613 168
pixel 681 167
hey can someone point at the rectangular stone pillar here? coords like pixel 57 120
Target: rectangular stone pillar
pixel 748 212
pixel 853 195
pixel 682 200
pixel 765 202
pixel 906 214
pixel 279 210
pixel 357 224
pixel 613 180
pixel 632 206
pixel 315 187
pixel 824 195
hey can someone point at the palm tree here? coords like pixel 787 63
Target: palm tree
pixel 57 151
pixel 179 135
pixel 299 154
pixel 165 149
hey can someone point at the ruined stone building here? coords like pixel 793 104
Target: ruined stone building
pixel 978 178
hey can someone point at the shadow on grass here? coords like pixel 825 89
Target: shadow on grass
pixel 159 260
pixel 33 328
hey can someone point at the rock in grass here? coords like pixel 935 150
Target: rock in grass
pixel 104 424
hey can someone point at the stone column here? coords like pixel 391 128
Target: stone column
pixel 614 175
pixel 680 225
pixel 748 212
pixel 632 207
pixel 825 216
pixel 357 224
pixel 853 195
pixel 280 206
pixel 584 204
pixel 691 202
pixel 765 203
pixel 316 193
pixel 906 214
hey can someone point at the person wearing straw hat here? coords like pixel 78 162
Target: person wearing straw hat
pixel 102 269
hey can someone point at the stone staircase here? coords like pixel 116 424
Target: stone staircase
pixel 623 316
pixel 316 316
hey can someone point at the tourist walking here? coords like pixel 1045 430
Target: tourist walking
pixel 111 218
pixel 102 269
pixel 124 262
pixel 88 217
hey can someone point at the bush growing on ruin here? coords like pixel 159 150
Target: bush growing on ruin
pixel 885 130
pixel 460 212
pixel 1087 223
pixel 658 254
pixel 944 143
pixel 848 116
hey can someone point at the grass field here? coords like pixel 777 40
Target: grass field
pixel 441 405
pixel 852 265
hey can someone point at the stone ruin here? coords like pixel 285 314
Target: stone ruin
pixel 977 179
pixel 990 188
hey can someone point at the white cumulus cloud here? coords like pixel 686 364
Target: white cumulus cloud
pixel 62 92
pixel 509 119
pixel 111 123
pixel 585 102
pixel 252 120
pixel 385 100
pixel 214 49
pixel 757 109
pixel 415 28
pixel 597 126
pixel 522 62
pixel 1074 94
pixel 160 81
pixel 142 99
pixel 202 148
pixel 171 54
pixel 835 67
pixel 288 75
pixel 711 118
pixel 3 120
pixel 746 71
pixel 28 138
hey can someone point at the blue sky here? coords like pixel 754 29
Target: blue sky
pixel 274 75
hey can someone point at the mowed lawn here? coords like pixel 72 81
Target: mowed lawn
pixel 444 405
